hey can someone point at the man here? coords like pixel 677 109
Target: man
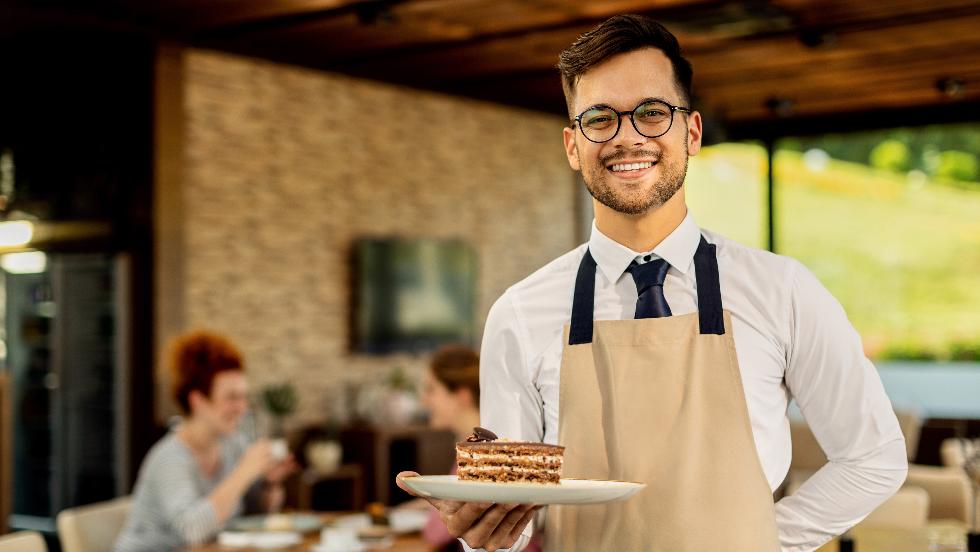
pixel 663 353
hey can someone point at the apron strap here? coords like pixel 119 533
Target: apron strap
pixel 583 302
pixel 710 316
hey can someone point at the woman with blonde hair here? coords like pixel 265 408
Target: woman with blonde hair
pixel 202 472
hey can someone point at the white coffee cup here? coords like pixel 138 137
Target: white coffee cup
pixel 279 449
pixel 339 538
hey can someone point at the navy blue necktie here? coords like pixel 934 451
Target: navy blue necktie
pixel 649 279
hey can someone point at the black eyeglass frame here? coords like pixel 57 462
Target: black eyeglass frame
pixel 619 118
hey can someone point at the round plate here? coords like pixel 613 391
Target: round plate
pixel 568 491
pixel 269 540
pixel 302 523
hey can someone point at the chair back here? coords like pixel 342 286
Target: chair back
pixel 911 423
pixel 23 541
pixel 94 527
pixel 6 453
pixel 948 488
pixel 906 509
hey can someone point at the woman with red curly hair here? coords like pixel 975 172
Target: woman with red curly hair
pixel 199 475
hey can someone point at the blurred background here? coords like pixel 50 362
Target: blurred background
pixel 341 186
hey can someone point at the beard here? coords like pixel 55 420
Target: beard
pixel 635 201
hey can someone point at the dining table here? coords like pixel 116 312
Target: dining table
pixel 936 536
pixel 410 542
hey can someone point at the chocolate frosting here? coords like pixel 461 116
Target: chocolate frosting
pixel 481 435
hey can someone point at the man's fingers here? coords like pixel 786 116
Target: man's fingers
pixel 479 534
pixel 518 528
pixel 445 507
pixel 465 517
pixel 401 484
pixel 501 536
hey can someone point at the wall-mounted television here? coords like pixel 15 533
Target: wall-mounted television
pixel 412 294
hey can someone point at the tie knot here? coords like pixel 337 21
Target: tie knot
pixel 650 274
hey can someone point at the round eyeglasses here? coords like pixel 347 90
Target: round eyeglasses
pixel 652 118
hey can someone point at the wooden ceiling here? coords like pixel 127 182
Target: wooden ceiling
pixel 754 60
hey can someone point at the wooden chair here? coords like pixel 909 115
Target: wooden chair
pixel 6 453
pixel 92 528
pixel 906 509
pixel 23 541
pixel 948 488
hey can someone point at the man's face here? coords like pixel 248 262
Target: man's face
pixel 622 82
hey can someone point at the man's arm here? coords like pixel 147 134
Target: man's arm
pixel 841 396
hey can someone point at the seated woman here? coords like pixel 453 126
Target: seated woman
pixel 198 476
pixel 452 397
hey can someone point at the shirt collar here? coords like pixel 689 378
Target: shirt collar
pixel 677 249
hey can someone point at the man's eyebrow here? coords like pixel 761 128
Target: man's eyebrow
pixel 654 99
pixel 641 102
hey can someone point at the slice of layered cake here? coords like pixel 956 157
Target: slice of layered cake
pixel 484 457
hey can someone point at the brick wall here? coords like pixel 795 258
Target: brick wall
pixel 268 173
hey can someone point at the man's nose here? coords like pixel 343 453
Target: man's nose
pixel 628 135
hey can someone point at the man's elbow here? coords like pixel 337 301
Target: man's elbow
pixel 892 477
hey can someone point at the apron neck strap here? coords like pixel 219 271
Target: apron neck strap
pixel 710 316
pixel 583 302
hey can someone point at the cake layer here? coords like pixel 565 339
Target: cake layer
pixel 509 475
pixel 510 447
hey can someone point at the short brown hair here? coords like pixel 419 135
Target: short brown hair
pixel 196 358
pixel 621 34
pixel 458 367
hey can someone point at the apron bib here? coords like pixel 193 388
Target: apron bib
pixel 659 401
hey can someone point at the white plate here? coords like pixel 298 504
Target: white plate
pixel 302 523
pixel 358 547
pixel 569 491
pixel 268 540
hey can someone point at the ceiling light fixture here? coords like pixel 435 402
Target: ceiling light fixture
pixel 951 87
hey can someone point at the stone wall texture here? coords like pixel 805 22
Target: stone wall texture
pixel 284 168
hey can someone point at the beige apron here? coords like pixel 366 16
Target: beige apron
pixel 660 401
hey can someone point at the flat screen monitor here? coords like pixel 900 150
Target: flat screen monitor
pixel 412 294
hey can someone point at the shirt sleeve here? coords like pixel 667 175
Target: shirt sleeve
pixel 841 396
pixel 510 404
pixel 189 513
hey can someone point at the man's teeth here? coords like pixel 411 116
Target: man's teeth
pixel 631 166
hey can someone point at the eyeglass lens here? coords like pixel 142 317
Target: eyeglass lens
pixel 651 119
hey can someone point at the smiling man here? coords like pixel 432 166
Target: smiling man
pixel 662 352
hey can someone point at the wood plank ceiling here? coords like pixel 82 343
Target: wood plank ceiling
pixel 754 60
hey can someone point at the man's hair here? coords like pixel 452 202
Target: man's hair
pixel 618 35
pixel 196 359
pixel 458 367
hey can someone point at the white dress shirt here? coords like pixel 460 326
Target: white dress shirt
pixel 792 339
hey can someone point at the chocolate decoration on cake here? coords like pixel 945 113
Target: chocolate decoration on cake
pixel 481 435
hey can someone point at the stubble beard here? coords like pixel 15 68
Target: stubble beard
pixel 635 201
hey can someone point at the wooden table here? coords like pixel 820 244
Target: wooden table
pixel 403 543
pixel 878 539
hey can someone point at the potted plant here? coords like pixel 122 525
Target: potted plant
pixel 280 401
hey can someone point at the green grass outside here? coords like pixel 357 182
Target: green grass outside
pixel 901 254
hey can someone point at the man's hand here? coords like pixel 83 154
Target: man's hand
pixel 481 525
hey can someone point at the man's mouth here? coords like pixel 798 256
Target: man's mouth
pixel 625 167
pixel 634 169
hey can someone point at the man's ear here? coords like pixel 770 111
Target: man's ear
pixel 571 151
pixel 694 131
